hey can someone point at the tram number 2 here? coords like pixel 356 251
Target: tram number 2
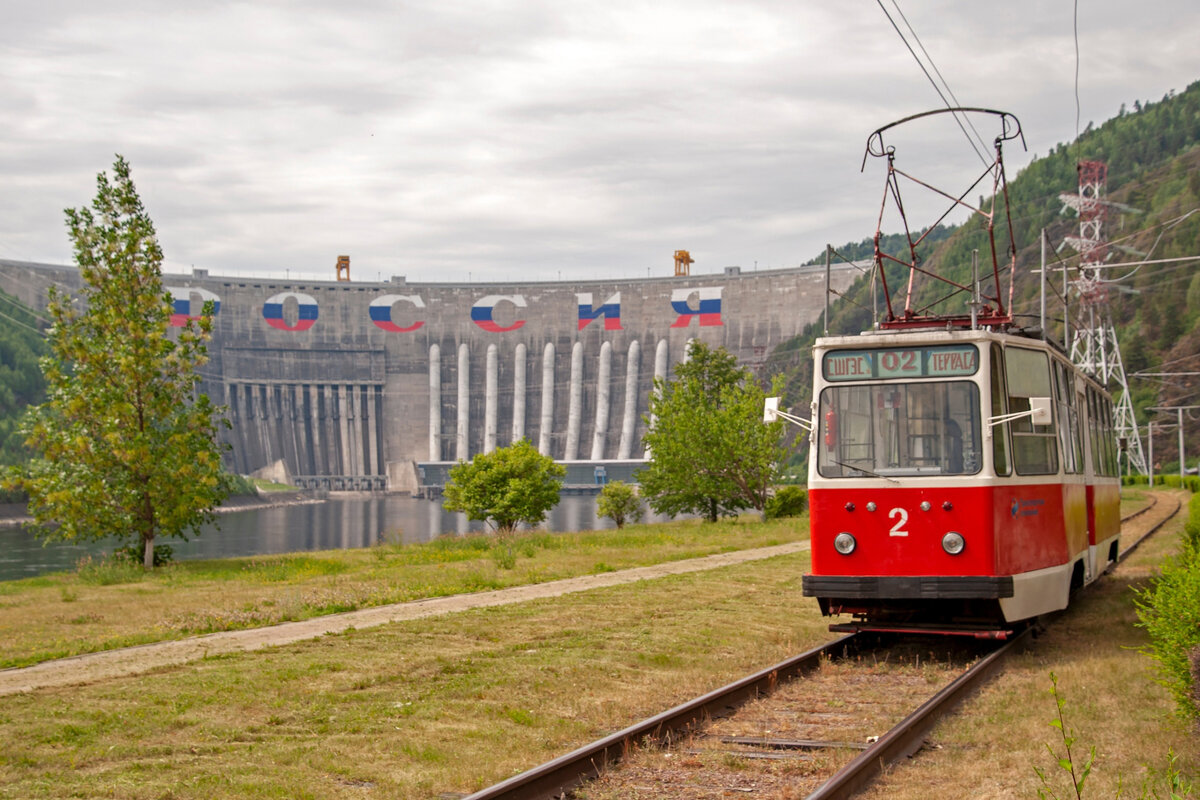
pixel 901 517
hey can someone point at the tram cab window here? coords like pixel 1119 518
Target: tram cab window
pixel 1035 450
pixel 916 428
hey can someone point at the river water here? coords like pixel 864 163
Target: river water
pixel 334 524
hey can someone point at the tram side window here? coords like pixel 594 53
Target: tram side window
pixel 1035 451
pixel 1078 412
pixel 999 407
pixel 1110 438
pixel 1104 455
pixel 1094 429
pixel 1068 419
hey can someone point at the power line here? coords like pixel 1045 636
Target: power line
pixel 20 306
pixel 932 82
pixel 941 77
pixel 24 325
pixel 1075 27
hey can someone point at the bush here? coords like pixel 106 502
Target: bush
pixel 1169 610
pixel 789 501
pixel 506 487
pixel 1168 479
pixel 1189 482
pixel 1191 526
pixel 12 495
pixel 163 555
pixel 619 502
pixel 237 485
pixel 109 571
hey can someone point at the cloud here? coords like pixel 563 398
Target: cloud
pixel 493 140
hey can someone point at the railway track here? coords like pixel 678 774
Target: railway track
pixel 770 734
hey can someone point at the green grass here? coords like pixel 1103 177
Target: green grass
pixel 116 604
pixel 271 486
pixel 455 703
pixel 415 709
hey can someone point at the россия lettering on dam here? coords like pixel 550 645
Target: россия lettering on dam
pixel 382 386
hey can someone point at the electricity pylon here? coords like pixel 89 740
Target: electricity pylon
pixel 1094 345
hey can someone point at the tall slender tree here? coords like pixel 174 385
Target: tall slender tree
pixel 125 445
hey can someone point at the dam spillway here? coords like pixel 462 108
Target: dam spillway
pixel 353 384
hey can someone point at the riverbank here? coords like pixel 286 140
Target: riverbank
pixel 14 515
pixel 103 605
pixel 136 660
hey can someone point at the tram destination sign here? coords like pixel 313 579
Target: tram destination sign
pixel 936 361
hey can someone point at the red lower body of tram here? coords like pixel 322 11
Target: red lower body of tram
pixel 965 558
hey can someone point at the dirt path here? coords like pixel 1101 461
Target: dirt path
pixel 133 660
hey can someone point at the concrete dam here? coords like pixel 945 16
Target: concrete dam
pixel 384 385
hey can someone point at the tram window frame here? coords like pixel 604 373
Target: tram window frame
pixel 914 441
pixel 1001 460
pixel 1035 447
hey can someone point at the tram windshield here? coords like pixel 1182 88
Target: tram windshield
pixel 899 429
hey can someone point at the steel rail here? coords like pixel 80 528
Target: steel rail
pixel 1153 502
pixel 908 736
pixel 555 778
pixel 1128 550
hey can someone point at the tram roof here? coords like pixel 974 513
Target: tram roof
pixel 893 338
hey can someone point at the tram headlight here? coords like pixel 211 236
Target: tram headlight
pixel 844 543
pixel 953 543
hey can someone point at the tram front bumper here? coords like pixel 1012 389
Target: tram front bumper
pixel 924 587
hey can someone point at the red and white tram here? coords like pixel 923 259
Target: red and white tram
pixel 962 474
pixel 960 480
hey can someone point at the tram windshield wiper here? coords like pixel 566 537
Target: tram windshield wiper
pixel 866 472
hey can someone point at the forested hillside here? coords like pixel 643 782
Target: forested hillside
pixel 893 243
pixel 1154 168
pixel 21 344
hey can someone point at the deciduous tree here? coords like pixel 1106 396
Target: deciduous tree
pixel 125 446
pixel 619 502
pixel 710 452
pixel 505 487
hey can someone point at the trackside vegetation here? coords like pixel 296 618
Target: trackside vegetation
pixel 1169 610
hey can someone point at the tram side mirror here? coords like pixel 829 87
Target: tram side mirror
pixel 1038 413
pixel 771 413
pixel 1039 408
pixel 770 410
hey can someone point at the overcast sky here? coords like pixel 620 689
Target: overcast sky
pixel 512 141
